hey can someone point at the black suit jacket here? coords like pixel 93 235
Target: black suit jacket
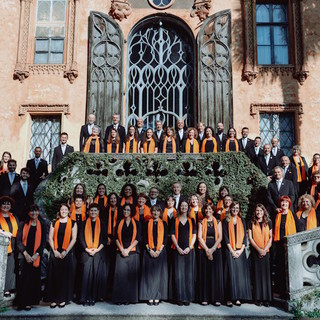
pixel 292 175
pixel 286 189
pixel 58 155
pixel 84 135
pixel 35 173
pixel 221 143
pixel 159 140
pixel 141 134
pixel 5 186
pixel 201 140
pixel 249 144
pixel 267 169
pixel 182 198
pixel 122 133
pixel 253 156
pixel 181 141
pixel 278 156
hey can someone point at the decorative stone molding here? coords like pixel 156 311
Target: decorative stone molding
pixel 47 68
pixel 120 9
pixel 297 68
pixel 276 107
pixel 201 8
pixel 44 108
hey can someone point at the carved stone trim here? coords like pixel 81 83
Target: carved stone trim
pixel 47 68
pixel 120 9
pixel 201 8
pixel 276 107
pixel 298 68
pixel 304 236
pixel 43 108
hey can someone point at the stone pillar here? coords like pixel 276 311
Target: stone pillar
pixel 4 241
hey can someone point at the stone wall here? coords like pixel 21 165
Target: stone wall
pixel 4 242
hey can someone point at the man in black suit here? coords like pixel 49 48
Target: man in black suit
pixel 9 178
pixel 201 134
pixel 159 133
pixel 60 151
pixel 178 197
pixel 140 129
pixel 267 162
pixel 22 194
pixel 279 187
pixel 181 134
pixel 154 200
pixel 38 168
pixel 245 143
pixel 116 125
pixel 86 130
pixel 220 137
pixel 276 151
pixel 255 151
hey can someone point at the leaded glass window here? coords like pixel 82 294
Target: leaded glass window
pixel 161 4
pixel 45 133
pixel 278 125
pixel 50 31
pixel 272 33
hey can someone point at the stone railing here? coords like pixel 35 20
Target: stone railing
pixel 303 263
pixel 4 241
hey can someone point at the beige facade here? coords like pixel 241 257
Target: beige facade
pixel 28 89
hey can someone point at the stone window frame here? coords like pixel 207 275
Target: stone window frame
pixel 297 67
pixel 24 64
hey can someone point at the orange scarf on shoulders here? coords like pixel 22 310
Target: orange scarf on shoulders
pixel 73 212
pixel 88 234
pixel 176 233
pixel 105 200
pixel 290 226
pixel 115 219
pixel 219 205
pixel 134 234
pixel 4 169
pixel 203 147
pixel 236 243
pixel 160 235
pixel 146 214
pixel 67 234
pixel 88 143
pixel 4 226
pixel 165 215
pixel 174 147
pixel 205 229
pixel 152 146
pixel 311 219
pixel 223 214
pixel 195 146
pixel 301 175
pixel 134 146
pixel 193 215
pixel 109 147
pixel 235 142
pixel 123 201
pixel 261 237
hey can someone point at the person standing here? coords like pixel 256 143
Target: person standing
pixel 159 134
pixel 61 151
pixel 181 134
pixel 267 162
pixel 9 178
pixel 118 127
pixel 255 151
pixel 86 130
pixel 276 151
pixel 221 138
pixel 245 143
pixel 38 168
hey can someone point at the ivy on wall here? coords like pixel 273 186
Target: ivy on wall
pixel 246 182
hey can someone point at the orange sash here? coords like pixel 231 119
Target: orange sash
pixel 174 147
pixel 123 201
pixel 311 219
pixel 165 215
pixel 223 214
pixel 203 147
pixel 160 235
pixel 193 215
pixel 195 146
pixel 115 218
pixel 105 200
pixel 315 168
pixel 134 146
pixel 236 243
pixel 205 229
pixel 290 227
pixel 37 241
pixel 152 146
pixel 219 205
pixel 67 234
pixel 176 233
pixel 301 175
pixel 109 147
pixel 235 142
pixel 261 237
pixel 4 226
pixel 88 234
pixel 134 234
pixel 88 143
pixel 3 169
pixel 146 214
pixel 73 212
pixel 313 193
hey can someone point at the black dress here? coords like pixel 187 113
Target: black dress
pixel 210 273
pixel 183 266
pixel 261 272
pixel 126 276
pixel 60 275
pixel 29 283
pixel 209 146
pixel 237 282
pixel 94 274
pixel 154 275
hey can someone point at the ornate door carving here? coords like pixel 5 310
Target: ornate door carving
pixel 215 70
pixel 160 74
pixel 104 68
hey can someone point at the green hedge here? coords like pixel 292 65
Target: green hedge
pixel 247 184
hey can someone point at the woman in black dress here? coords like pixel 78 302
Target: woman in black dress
pixel 94 276
pixel 149 143
pixel 9 228
pixel 60 277
pixel 114 143
pixel 101 199
pixel 126 275
pixel 169 143
pixel 143 213
pixel 223 192
pixel 131 144
pixel 237 277
pixel 191 144
pixel 260 237
pixel 203 194
pixel 183 235
pixel 209 144
pixel 128 194
pixel 210 273
pixel 93 144
pixel 195 209
pixel 231 144
pixel 79 190
pixel 31 240
pixel 307 217
pixel 302 169
pixel 154 275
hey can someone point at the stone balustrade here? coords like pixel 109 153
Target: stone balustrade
pixel 4 241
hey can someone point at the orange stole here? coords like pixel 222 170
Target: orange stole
pixel 160 235
pixel 236 243
pixel 73 212
pixel 105 200
pixel 223 214
pixel 174 147
pixel 134 146
pixel 195 146
pixel 115 218
pixel 109 147
pixel 152 146
pixel 3 169
pixel 235 142
pixel 176 233
pixel 301 175
pixel 315 168
pixel 219 205
pixel 123 201
pixel 205 229
pixel 67 234
pixel 311 219
pixel 165 215
pixel 37 242
pixel 4 226
pixel 193 215
pixel 88 234
pixel 203 147
pixel 88 143
pixel 290 226
pixel 260 237
pixel 146 214
pixel 134 234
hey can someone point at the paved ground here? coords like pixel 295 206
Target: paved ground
pixel 103 310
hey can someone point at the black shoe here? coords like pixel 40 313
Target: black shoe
pixel 180 303
pixel 7 295
pixel 53 305
pixel 267 304
pixel 186 303
pixel 150 303
pixel 156 303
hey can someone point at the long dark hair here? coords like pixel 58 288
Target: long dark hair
pixel 101 184
pixel 84 192
pixel 265 219
pixel 135 136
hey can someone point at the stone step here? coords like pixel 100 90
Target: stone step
pixel 142 311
